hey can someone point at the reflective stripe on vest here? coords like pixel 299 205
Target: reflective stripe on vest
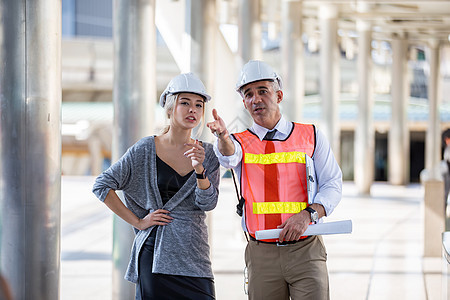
pixel 278 207
pixel 275 158
pixel 273 176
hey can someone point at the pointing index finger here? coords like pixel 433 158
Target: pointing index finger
pixel 215 115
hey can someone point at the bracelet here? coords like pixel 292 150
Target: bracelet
pixel 202 175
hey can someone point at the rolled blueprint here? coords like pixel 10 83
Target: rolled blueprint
pixel 337 227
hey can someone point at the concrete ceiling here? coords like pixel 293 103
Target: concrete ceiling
pixel 419 21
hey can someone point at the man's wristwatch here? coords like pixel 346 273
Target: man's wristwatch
pixel 202 175
pixel 314 214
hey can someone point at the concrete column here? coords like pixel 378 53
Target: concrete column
pixel 96 155
pixel 30 147
pixel 134 95
pixel 433 137
pixel 329 76
pixel 434 217
pixel 249 47
pixel 201 29
pixel 249 30
pixel 292 59
pixel 226 100
pixel 199 24
pixel 398 138
pixel 364 131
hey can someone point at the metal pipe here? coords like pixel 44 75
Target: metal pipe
pixel 30 133
pixel 134 95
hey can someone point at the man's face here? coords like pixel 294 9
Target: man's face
pixel 262 101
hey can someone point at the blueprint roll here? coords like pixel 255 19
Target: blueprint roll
pixel 338 227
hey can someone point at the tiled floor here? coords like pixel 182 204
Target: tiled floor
pixel 381 259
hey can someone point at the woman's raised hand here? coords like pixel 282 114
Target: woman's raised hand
pixel 196 154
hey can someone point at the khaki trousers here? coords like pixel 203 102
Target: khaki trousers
pixel 296 270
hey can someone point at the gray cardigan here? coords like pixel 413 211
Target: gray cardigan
pixel 181 247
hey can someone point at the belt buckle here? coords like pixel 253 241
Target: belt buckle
pixel 281 244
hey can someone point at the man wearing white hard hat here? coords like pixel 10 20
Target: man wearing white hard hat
pixel 271 160
pixel 168 181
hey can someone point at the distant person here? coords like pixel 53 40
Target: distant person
pixel 270 160
pixel 168 182
pixel 446 165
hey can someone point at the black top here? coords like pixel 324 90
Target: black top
pixel 169 181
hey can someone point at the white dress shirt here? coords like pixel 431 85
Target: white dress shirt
pixel 328 172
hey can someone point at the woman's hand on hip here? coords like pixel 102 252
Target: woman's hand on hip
pixel 158 217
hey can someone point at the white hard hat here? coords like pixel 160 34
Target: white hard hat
pixel 256 70
pixel 184 83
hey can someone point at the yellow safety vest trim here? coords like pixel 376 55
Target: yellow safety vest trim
pixel 275 158
pixel 278 207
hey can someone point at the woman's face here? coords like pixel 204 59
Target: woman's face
pixel 188 110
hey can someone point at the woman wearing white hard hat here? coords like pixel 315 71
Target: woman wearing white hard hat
pixel 168 182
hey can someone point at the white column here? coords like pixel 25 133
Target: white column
pixel 433 138
pixel 30 147
pixel 249 47
pixel 201 29
pixel 434 202
pixel 292 59
pixel 134 97
pixel 95 154
pixel 249 22
pixel 364 131
pixel 329 76
pixel 398 138
pixel 197 21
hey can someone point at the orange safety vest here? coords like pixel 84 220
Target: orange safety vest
pixel 273 176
